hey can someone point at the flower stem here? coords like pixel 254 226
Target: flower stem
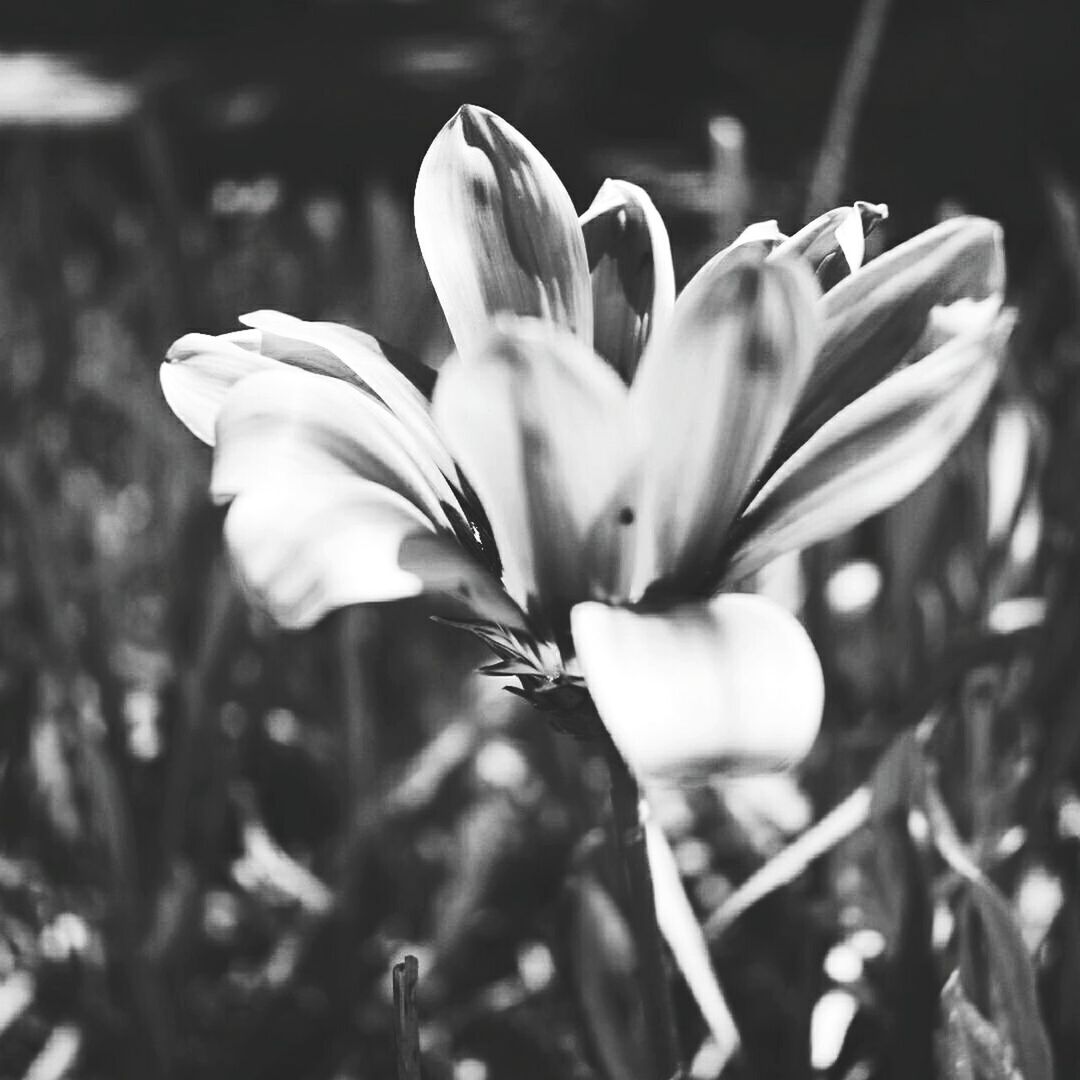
pixel 666 1063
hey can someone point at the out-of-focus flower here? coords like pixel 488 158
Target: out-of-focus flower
pixel 602 463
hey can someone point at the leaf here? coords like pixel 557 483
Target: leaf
pixel 602 959
pixel 1014 981
pixel 633 279
pixel 734 683
pixel 498 232
pixel 973 1047
pixel 896 779
pixel 1010 968
pixel 849 815
pixel 872 453
pixel 890 788
pixel 713 392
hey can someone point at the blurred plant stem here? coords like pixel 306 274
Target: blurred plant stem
pixel 666 1062
pixel 830 171
pixel 406 1021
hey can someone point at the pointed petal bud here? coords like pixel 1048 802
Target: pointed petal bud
pixel 498 231
pixel 633 279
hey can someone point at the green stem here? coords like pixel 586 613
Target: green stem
pixel 666 1063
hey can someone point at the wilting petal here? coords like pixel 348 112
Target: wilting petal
pixel 283 422
pixel 365 357
pixel 872 453
pixel 498 231
pixel 305 546
pixel 874 317
pixel 633 279
pixel 734 683
pixel 835 243
pixel 539 424
pixel 711 397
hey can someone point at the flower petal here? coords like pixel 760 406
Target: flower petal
pixel 835 243
pixel 633 278
pixel 703 687
pixel 305 546
pixel 198 373
pixel 283 422
pixel 875 316
pixel 498 231
pixel 714 391
pixel 365 357
pixel 200 369
pixel 873 452
pixel 539 424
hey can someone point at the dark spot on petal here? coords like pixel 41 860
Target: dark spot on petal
pixel 626 516
pixel 480 192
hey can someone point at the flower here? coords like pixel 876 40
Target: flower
pixel 601 464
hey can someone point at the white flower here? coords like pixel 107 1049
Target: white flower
pixel 601 461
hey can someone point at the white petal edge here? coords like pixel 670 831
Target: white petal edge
pixel 199 373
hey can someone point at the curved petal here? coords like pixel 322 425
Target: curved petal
pixel 734 683
pixel 633 278
pixel 875 316
pixel 304 547
pixel 200 369
pixel 872 453
pixel 835 243
pixel 285 422
pixel 365 357
pixel 498 231
pixel 714 391
pixel 539 424
pixel 199 372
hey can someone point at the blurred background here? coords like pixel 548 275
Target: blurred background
pixel 216 839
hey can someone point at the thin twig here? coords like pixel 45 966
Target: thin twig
pixel 406 1020
pixel 652 973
